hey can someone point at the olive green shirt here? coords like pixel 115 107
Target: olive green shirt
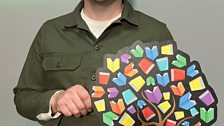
pixel 65 52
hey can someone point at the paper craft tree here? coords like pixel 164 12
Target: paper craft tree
pixel 153 84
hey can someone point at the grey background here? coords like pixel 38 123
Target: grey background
pixel 197 26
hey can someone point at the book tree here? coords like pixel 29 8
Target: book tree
pixel 153 84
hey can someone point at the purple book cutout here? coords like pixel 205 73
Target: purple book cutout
pixel 207 98
pixel 113 92
pixel 154 96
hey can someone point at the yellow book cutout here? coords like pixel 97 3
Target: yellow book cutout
pixel 129 70
pixel 179 115
pixel 137 83
pixel 164 107
pixel 166 95
pixel 197 84
pixel 126 120
pixel 98 92
pixel 178 90
pixel 100 105
pixel 113 66
pixel 117 107
pixel 167 49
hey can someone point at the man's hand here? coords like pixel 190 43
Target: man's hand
pixel 74 101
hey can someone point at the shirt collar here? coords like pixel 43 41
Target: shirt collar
pixel 75 19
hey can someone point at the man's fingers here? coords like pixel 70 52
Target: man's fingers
pixel 85 97
pixel 79 104
pixel 72 108
pixel 63 109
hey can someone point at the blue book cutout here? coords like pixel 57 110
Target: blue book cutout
pixel 141 104
pixel 186 103
pixel 120 80
pixel 163 64
pixel 191 72
pixel 152 53
pixel 163 80
pixel 129 97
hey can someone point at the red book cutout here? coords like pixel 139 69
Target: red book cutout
pixel 178 90
pixel 146 65
pixel 148 113
pixel 104 77
pixel 177 75
pixel 170 122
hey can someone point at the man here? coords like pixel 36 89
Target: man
pixel 64 56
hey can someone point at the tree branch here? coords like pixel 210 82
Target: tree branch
pixel 179 123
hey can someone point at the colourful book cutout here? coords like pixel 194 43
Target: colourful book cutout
pixel 104 77
pixel 137 83
pixel 207 98
pixel 129 96
pixel 131 109
pixel 118 107
pixel 166 95
pixel 163 64
pixel 194 112
pixel 148 113
pixel 167 49
pixel 129 70
pixel 191 71
pixel 207 116
pixel 108 118
pixel 138 52
pixel 113 92
pixel 150 81
pixel 177 75
pixel 127 120
pixel 113 66
pixel 179 115
pixel 98 92
pixel 180 62
pixel 186 123
pixel 152 53
pixel 163 80
pixel 170 122
pixel 197 84
pixel 120 80
pixel 125 58
pixel 178 90
pixel 186 103
pixel 141 104
pixel 100 105
pixel 164 106
pixel 146 65
pixel 155 96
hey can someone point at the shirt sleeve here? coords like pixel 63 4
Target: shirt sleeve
pixel 47 116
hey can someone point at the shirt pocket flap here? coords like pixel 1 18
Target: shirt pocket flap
pixel 61 62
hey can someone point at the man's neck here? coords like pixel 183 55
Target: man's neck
pixel 102 10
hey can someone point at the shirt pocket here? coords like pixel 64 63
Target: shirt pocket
pixel 61 62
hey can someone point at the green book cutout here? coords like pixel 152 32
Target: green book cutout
pixel 180 62
pixel 138 52
pixel 150 81
pixel 207 116
pixel 109 117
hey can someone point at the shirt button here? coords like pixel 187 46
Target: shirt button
pixel 58 65
pixel 96 48
pixel 93 78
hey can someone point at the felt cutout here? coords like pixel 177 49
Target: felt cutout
pixel 170 122
pixel 186 103
pixel 152 53
pixel 146 65
pixel 129 70
pixel 125 58
pixel 154 96
pixel 178 90
pixel 167 49
pixel 113 92
pixel 126 120
pixel 108 118
pixel 113 66
pixel 138 52
pixel 197 84
pixel 137 83
pixel 207 116
pixel 152 84
pixel 180 62
pixel 148 113
pixel 104 77
pixel 118 107
pixel 99 92
pixel 120 80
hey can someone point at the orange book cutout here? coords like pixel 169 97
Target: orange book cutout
pixel 98 92
pixel 179 89
pixel 117 107
pixel 130 71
